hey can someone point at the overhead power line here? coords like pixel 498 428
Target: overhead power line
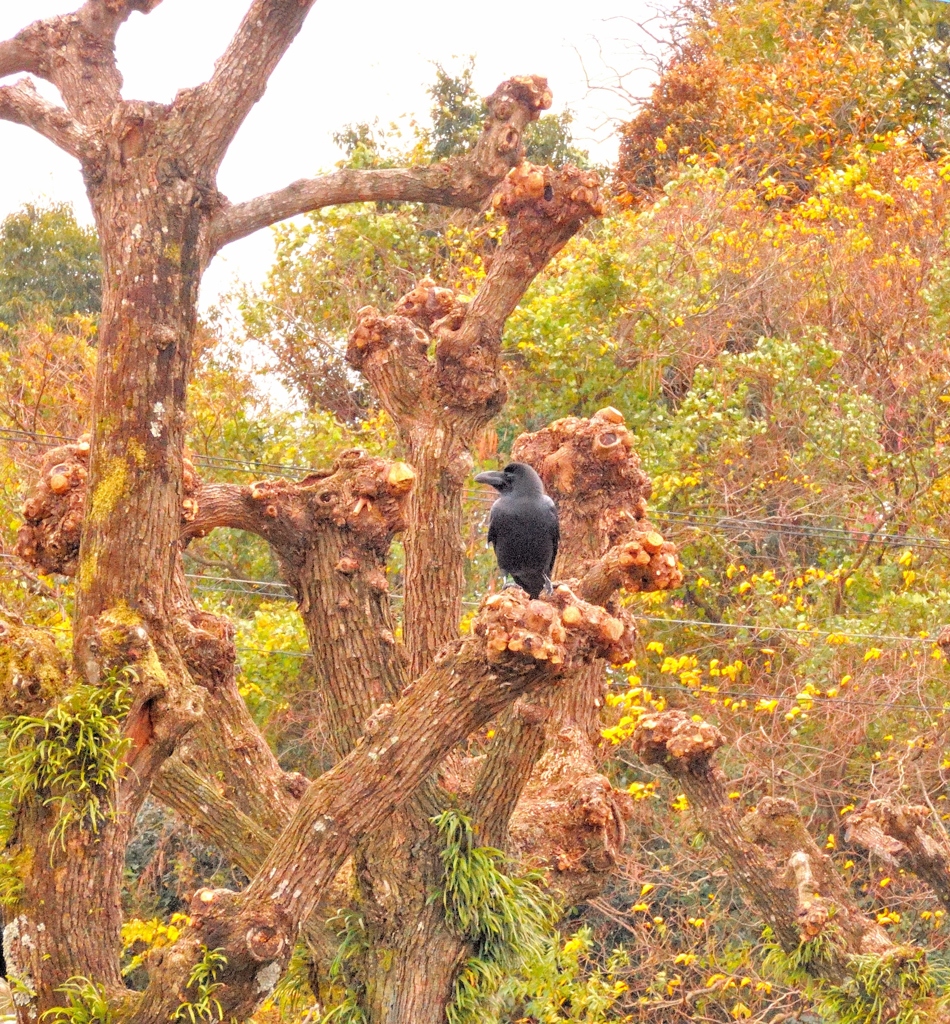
pixel 281 590
pixel 698 520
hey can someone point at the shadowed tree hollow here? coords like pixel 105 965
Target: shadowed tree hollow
pixel 148 704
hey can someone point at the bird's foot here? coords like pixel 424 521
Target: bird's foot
pixel 509 584
pixel 548 588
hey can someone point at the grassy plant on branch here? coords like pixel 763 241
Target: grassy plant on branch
pixel 69 758
pixel 347 1008
pixel 204 1006
pixel 894 988
pixel 508 919
pixel 86 1003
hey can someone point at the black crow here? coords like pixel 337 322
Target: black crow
pixel 523 527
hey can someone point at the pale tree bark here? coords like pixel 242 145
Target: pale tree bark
pixel 787 879
pixel 113 511
pixel 908 836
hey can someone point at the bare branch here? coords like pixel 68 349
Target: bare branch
pixel 76 52
pixel 22 104
pixel 791 882
pixel 435 184
pixel 216 819
pixel 217 108
pixel 463 181
pixel 16 57
pixel 908 836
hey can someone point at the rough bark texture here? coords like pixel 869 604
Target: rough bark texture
pixel 790 882
pixel 331 532
pixel 571 820
pixel 907 836
pixel 114 509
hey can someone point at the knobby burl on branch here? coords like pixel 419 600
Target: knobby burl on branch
pixel 517 645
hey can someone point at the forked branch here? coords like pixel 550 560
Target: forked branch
pixel 22 104
pixel 217 108
pixel 517 647
pixel 465 181
pixel 76 53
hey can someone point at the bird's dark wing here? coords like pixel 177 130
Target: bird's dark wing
pixel 555 528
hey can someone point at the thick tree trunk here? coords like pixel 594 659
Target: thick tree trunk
pixel 152 224
pixel 150 172
pixel 69 904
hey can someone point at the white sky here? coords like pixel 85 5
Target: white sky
pixel 353 61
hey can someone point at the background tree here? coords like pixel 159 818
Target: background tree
pixel 48 260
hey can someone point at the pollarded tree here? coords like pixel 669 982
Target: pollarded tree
pixel 148 703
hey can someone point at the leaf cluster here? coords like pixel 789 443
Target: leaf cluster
pixel 86 1003
pixel 354 943
pixel 202 979
pixel 69 758
pixel 508 919
pixel 897 987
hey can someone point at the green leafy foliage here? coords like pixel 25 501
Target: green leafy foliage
pixel 808 959
pixel 293 993
pixel 69 758
pixel 579 986
pixel 202 980
pixel 896 988
pixel 900 987
pixel 47 260
pixel 86 1003
pixel 457 112
pixel 509 919
pixel 347 990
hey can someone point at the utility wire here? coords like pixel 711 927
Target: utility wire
pixel 657 620
pixel 698 520
pixel 253 588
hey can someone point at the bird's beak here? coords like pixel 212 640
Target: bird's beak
pixel 493 477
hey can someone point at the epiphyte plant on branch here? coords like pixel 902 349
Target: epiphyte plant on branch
pixel 115 510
